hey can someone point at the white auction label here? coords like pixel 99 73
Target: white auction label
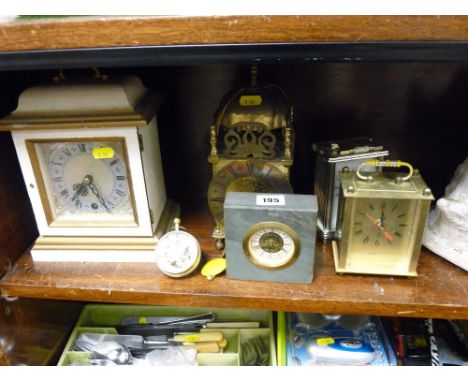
pixel 270 200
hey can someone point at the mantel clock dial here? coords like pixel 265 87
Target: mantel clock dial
pixel 97 193
pixel 271 245
pixel 382 216
pixel 251 147
pixel 85 180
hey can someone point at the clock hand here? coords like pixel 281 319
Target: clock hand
pixel 387 234
pixel 81 187
pixel 382 219
pixel 95 191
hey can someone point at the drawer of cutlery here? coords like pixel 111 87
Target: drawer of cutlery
pixel 119 334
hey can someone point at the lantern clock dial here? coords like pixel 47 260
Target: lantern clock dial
pixel 240 176
pixel 271 245
pixel 86 179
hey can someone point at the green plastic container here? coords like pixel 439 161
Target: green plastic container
pixel 102 318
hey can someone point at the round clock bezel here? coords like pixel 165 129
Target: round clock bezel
pixel 167 237
pixel 291 258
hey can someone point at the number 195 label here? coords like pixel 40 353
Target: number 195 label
pixel 270 200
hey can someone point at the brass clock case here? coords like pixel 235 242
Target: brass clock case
pixel 251 146
pixel 382 216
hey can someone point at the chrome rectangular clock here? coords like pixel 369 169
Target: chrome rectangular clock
pixel 270 237
pixel 96 192
pixel 331 158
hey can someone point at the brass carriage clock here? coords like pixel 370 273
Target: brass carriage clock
pixel 89 154
pixel 251 147
pixel 381 219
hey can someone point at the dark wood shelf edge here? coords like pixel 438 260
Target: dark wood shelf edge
pixel 273 304
pixel 104 32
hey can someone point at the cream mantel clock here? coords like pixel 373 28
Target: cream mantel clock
pixel 89 154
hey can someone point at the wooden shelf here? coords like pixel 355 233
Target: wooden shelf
pixel 104 32
pixel 440 291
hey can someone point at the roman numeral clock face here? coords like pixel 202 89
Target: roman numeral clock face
pixel 86 180
pixel 244 177
pixel 381 226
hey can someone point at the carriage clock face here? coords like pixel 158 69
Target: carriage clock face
pixel 271 245
pixel 84 181
pixel 242 176
pixel 382 226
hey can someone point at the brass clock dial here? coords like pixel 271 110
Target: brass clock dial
pixel 271 245
pixel 244 176
pixel 382 224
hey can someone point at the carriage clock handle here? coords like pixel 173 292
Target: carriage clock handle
pixel 384 163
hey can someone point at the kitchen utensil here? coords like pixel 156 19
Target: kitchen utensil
pixel 137 342
pixel 112 351
pixel 146 330
pixel 255 352
pixel 177 320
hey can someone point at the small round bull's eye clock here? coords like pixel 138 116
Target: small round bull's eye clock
pixel 251 147
pixel 178 252
pixel 271 245
pixel 382 216
pixel 96 189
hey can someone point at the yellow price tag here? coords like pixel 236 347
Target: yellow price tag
pixel 103 152
pixel 192 338
pixel 142 320
pixel 325 341
pixel 250 100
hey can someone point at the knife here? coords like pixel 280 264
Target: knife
pixel 199 319
pixel 137 342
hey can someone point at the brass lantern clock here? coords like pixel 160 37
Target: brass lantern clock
pixel 89 154
pixel 382 216
pixel 251 147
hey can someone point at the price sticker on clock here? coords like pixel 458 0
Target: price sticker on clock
pixel 270 200
pixel 103 152
pixel 250 100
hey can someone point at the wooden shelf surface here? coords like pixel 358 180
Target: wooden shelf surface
pixel 441 290
pixel 100 32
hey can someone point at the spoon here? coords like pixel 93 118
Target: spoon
pixel 112 351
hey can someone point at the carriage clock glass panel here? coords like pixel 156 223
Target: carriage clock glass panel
pixel 331 158
pixel 84 180
pixel 382 216
pixel 382 227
